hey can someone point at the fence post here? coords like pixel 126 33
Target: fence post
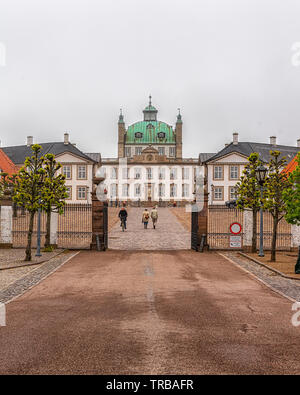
pixel 248 222
pixel 53 229
pixel 295 230
pixel 6 221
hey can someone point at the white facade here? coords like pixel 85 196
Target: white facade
pixel 79 177
pixel 143 182
pixel 223 175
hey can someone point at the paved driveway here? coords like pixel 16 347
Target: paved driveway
pixel 168 235
pixel 149 312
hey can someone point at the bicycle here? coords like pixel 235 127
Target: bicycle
pixel 123 224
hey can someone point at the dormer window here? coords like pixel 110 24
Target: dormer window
pixel 161 135
pixel 138 135
pixel 150 127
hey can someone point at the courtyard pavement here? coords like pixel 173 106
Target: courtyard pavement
pixel 168 235
pixel 158 312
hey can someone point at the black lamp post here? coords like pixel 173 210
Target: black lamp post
pixel 261 173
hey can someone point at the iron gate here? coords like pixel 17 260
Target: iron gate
pixel 194 233
pixel 105 227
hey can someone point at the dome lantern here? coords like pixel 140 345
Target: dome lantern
pixel 150 112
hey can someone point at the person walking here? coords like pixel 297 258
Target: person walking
pixel 123 216
pixel 154 216
pixel 145 218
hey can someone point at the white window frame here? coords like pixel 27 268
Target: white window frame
pixel 137 173
pixel 172 152
pixel 149 173
pixel 161 151
pixel 137 190
pixel 173 173
pixel 69 167
pixel 82 172
pixel 185 190
pixel 84 188
pixel 235 173
pixel 161 190
pixel 161 173
pixel 128 152
pixel 138 150
pixel 173 190
pixel 218 193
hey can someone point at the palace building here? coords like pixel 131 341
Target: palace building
pixel 149 167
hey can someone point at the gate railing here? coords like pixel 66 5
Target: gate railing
pixel 75 226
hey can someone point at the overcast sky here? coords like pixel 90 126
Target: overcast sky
pixel 71 64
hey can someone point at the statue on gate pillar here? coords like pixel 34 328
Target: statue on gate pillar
pixel 99 218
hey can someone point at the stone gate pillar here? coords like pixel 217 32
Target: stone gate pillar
pixel 99 219
pixel 248 228
pixel 6 213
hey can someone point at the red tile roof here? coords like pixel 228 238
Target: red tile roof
pixel 291 166
pixel 6 165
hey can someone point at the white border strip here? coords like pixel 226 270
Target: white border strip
pixel 259 279
pixel 42 279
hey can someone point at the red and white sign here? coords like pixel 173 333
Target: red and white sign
pixel 235 228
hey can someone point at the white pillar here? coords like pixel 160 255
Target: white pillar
pixel 248 222
pixel 53 228
pixel 295 229
pixel 6 226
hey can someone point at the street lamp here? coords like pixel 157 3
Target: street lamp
pixel 261 173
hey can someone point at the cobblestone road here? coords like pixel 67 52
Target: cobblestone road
pixel 168 235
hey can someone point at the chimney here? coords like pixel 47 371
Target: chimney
pixel 66 138
pixel 273 140
pixel 29 141
pixel 298 143
pixel 235 139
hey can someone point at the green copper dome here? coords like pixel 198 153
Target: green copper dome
pixel 150 132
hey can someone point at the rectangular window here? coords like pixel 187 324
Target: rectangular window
pixel 67 171
pixel 185 173
pixel 137 173
pixel 149 173
pixel 81 193
pixel 233 172
pixel 137 190
pixel 218 172
pixel 161 190
pixel 173 190
pixel 185 190
pixel 128 152
pixel 138 150
pixel 114 173
pixel 69 192
pixel 81 172
pixel 172 151
pixel 125 190
pixel 218 193
pixel 125 173
pixel 161 150
pixel 113 191
pixel 173 174
pixel 161 173
pixel 232 193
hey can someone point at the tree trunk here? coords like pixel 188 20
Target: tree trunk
pixel 29 237
pixel 48 227
pixel 274 238
pixel 254 231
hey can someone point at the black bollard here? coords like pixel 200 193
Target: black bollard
pixel 297 267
